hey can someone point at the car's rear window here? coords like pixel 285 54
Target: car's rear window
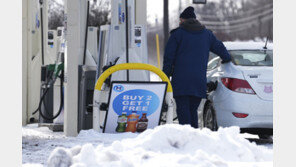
pixel 252 57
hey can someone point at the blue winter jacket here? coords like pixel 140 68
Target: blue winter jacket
pixel 186 58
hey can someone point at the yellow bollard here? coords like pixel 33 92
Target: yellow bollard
pixel 157 49
pixel 132 66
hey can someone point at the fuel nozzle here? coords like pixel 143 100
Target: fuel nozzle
pixel 211 86
pixel 57 68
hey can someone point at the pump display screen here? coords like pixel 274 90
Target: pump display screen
pixel 138 32
pixel 59 33
pixel 50 35
pixel 134 106
pixel 138 38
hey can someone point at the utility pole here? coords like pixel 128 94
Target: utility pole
pixel 165 21
pixel 180 6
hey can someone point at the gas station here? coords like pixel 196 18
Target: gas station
pixel 94 92
pixel 69 73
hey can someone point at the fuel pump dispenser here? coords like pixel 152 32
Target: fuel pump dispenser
pixel 49 75
pixel 124 60
pixel 51 104
pixel 120 42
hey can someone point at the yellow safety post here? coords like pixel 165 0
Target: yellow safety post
pixel 157 49
pixel 132 66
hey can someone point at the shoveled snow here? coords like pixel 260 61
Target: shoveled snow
pixel 39 142
pixel 166 145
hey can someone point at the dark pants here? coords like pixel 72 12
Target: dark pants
pixel 187 110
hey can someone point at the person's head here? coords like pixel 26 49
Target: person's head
pixel 188 13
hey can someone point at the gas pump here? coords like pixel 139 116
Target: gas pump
pixel 123 68
pixel 50 73
pixel 51 104
pixel 123 33
pixel 110 50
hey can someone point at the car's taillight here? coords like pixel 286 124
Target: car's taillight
pixel 240 115
pixel 238 85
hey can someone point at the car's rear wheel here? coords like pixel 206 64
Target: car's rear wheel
pixel 209 117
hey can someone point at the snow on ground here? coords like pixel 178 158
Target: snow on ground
pixel 167 145
pixel 39 142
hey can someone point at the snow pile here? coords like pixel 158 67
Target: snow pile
pixel 39 142
pixel 32 165
pixel 84 134
pixel 167 145
pixel 30 132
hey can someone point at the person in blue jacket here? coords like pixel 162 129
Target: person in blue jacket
pixel 185 59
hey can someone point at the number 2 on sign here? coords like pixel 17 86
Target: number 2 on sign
pixel 149 98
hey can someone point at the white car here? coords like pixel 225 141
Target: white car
pixel 244 93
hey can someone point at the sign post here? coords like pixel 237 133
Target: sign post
pixel 134 106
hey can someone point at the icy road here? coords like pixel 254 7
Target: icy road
pixel 167 145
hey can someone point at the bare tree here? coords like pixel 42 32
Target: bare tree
pixel 55 14
pixel 99 13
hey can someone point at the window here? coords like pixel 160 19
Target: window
pixel 252 57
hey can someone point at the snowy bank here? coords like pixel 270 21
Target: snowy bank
pixel 39 142
pixel 167 145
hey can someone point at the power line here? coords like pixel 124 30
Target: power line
pixel 244 28
pixel 245 25
pixel 238 25
pixel 216 23
pixel 231 28
pixel 236 15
